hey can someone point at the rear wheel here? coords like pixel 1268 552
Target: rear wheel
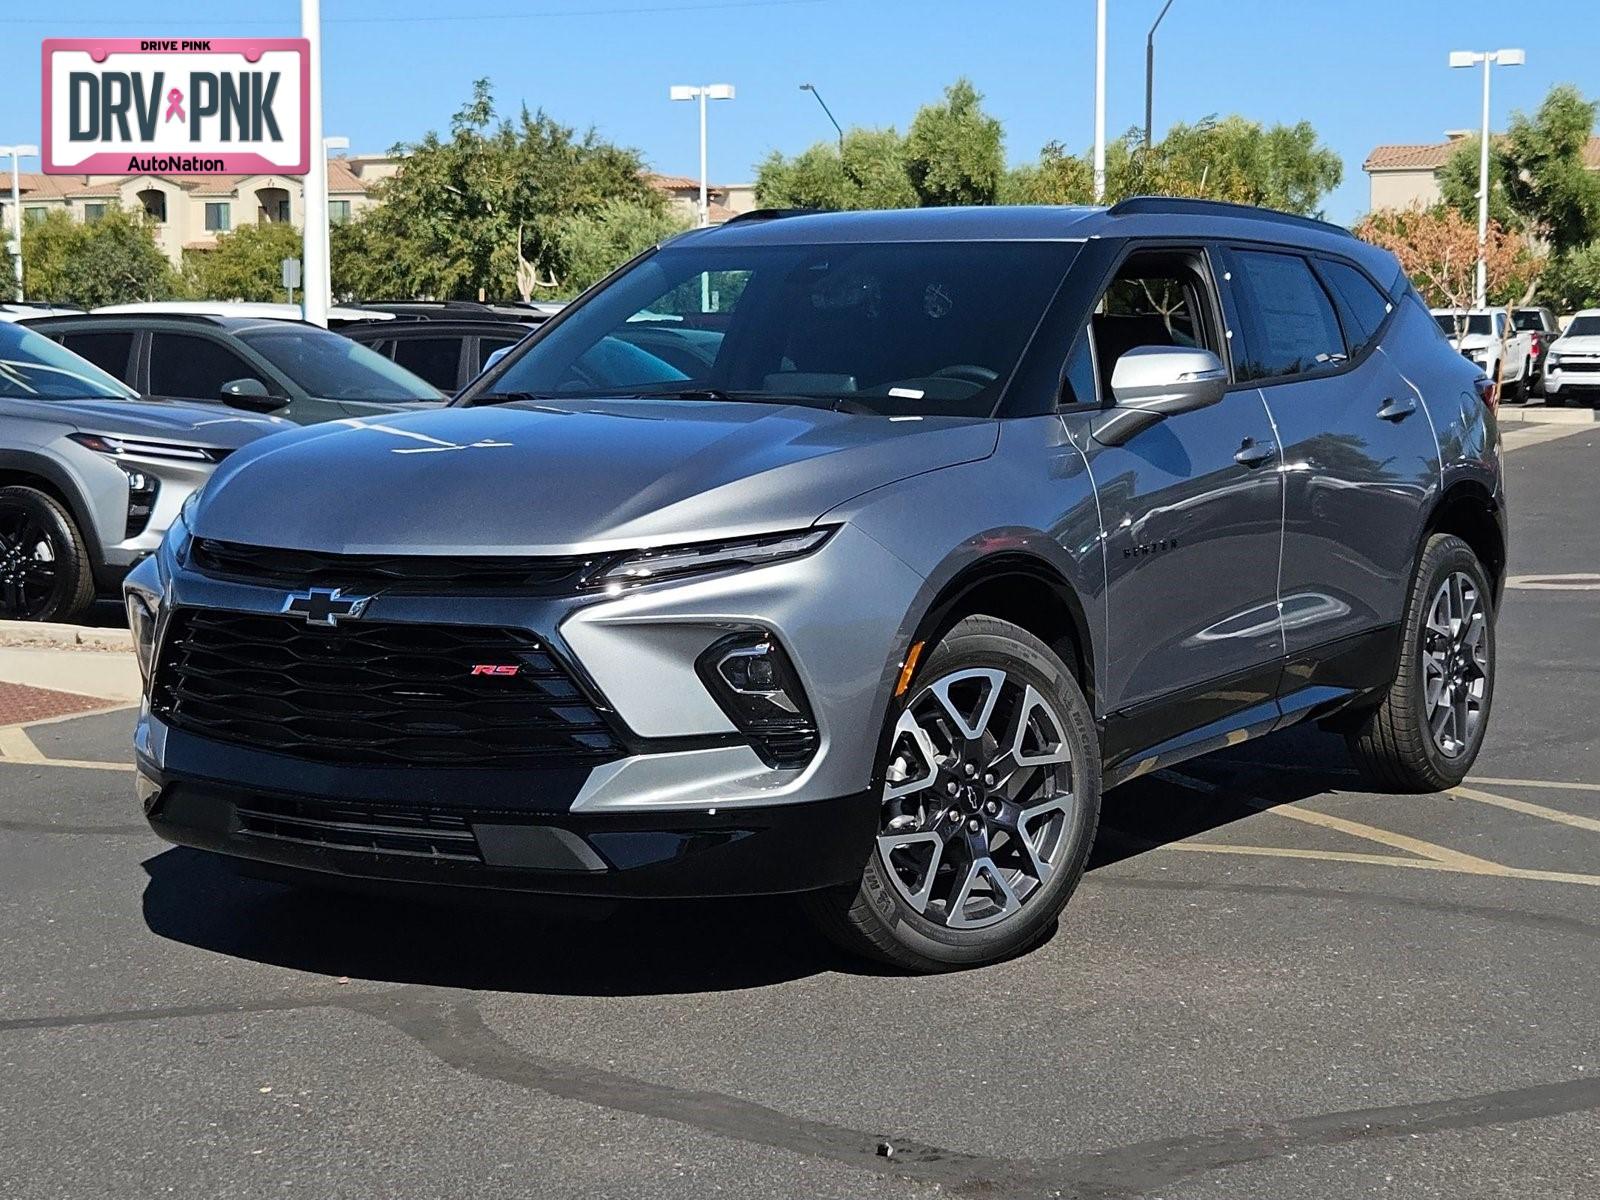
pixel 44 564
pixel 1430 726
pixel 990 794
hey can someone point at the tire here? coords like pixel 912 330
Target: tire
pixel 926 900
pixel 1407 744
pixel 45 574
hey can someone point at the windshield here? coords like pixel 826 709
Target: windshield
pixel 331 367
pixel 1454 323
pixel 1584 327
pixel 906 328
pixel 32 367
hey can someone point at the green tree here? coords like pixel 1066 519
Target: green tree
pixel 954 153
pixel 8 270
pixel 246 264
pixel 482 212
pixel 1572 280
pixel 1538 179
pixel 594 243
pixel 1232 159
pixel 110 261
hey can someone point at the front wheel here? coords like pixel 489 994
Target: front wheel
pixel 1427 731
pixel 44 564
pixel 989 783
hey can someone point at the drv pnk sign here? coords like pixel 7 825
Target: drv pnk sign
pixel 192 106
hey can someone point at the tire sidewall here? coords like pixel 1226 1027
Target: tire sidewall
pixel 71 562
pixel 986 642
pixel 1444 557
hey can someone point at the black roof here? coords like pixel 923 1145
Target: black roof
pixel 163 320
pixel 1142 216
pixel 372 331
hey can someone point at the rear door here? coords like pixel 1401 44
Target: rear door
pixel 1360 462
pixel 109 349
pixel 436 358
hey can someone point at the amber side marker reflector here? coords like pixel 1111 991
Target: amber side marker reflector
pixel 910 669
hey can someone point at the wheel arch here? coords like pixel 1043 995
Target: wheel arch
pixel 1469 511
pixel 1029 592
pixel 19 469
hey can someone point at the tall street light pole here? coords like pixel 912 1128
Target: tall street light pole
pixel 17 154
pixel 315 286
pixel 1100 101
pixel 1150 72
pixel 806 87
pixel 329 144
pixel 702 93
pixel 1471 58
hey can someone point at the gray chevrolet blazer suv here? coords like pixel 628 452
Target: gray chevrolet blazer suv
pixel 849 555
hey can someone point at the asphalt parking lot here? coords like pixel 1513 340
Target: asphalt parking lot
pixel 1271 984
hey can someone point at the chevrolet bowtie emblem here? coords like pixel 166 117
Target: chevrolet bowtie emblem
pixel 325 606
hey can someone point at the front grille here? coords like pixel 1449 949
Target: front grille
pixel 1568 366
pixel 373 692
pixel 391 573
pixel 406 833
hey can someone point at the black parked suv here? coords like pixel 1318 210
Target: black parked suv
pixel 445 352
pixel 851 555
pixel 288 368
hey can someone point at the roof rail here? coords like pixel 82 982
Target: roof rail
pixel 772 214
pixel 1219 208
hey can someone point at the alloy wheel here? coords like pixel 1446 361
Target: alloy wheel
pixel 978 806
pixel 30 575
pixel 1455 665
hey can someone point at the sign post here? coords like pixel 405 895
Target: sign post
pixel 291 276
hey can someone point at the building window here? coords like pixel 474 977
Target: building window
pixel 155 205
pixel 93 212
pixel 283 210
pixel 339 211
pixel 219 217
pixel 33 213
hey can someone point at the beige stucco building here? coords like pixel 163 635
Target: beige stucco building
pixel 1405 176
pixel 189 211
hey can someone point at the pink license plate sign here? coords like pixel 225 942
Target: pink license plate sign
pixel 190 106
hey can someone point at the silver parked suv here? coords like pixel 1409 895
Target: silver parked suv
pixel 851 555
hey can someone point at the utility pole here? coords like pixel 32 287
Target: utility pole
pixel 315 287
pixel 17 153
pixel 1100 102
pixel 1150 73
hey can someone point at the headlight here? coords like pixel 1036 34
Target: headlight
pixel 1552 360
pixel 648 566
pixel 142 623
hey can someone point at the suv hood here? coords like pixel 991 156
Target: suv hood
pixel 568 477
pixel 1475 341
pixel 209 425
pixel 1586 344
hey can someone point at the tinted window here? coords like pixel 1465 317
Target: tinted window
pixel 1584 327
pixel 1529 319
pixel 108 351
pixel 436 359
pixel 1290 328
pixel 194 367
pixel 892 328
pixel 1362 307
pixel 1454 323
pixel 332 367
pixel 32 367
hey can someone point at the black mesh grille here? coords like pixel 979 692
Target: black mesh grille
pixel 393 573
pixel 372 692
pixel 408 833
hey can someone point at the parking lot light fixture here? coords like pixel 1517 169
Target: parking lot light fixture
pixel 1471 58
pixel 807 87
pixel 17 154
pixel 702 92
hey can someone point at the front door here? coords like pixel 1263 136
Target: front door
pixel 1192 511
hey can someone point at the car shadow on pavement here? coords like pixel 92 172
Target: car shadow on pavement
pixel 563 947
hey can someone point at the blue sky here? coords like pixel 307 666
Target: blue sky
pixel 1362 72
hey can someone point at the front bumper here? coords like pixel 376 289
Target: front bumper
pixel 491 829
pixel 1565 380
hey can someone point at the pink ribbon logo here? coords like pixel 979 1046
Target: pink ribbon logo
pixel 175 105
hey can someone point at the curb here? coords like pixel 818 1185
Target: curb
pixel 1548 416
pixel 38 634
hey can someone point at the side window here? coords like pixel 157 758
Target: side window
pixel 1290 327
pixel 194 367
pixel 1362 307
pixel 107 350
pixel 436 359
pixel 1158 298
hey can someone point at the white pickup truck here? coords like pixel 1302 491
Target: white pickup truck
pixel 1505 353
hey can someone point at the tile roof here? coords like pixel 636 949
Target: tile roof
pixel 1433 155
pixel 74 187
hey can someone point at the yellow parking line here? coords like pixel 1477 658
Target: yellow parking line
pixel 1391 860
pixel 1537 783
pixel 1576 820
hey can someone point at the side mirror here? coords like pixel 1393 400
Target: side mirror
pixel 1150 383
pixel 251 395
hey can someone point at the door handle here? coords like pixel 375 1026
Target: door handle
pixel 1253 453
pixel 1397 410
